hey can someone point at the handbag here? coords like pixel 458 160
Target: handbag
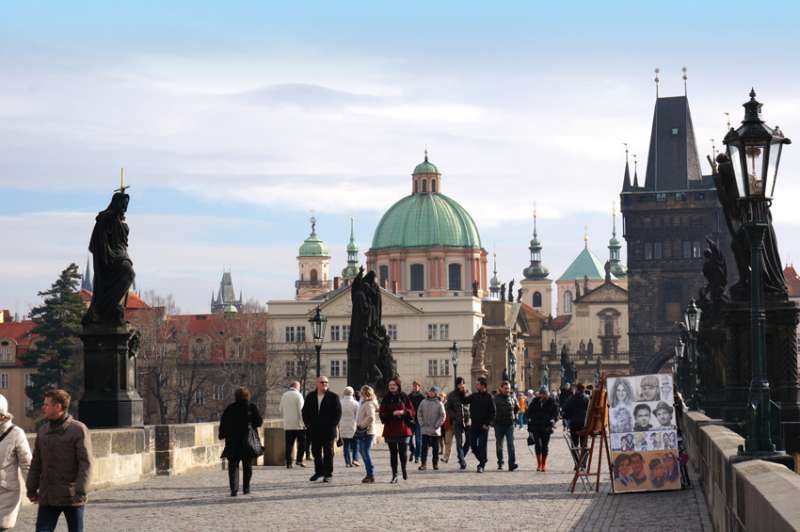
pixel 360 434
pixel 253 443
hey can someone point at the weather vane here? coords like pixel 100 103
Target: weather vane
pixel 684 80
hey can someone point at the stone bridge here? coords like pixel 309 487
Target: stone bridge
pixel 449 499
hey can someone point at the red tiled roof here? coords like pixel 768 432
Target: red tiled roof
pixel 559 322
pixel 532 312
pixel 792 280
pixel 20 332
pixel 134 301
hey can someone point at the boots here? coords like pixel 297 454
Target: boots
pixel 544 462
pixel 538 462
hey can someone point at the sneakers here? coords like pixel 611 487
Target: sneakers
pixel 356 464
pixel 513 467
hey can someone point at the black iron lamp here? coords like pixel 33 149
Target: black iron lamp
pixel 318 322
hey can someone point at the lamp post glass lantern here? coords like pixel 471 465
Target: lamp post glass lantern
pixel 755 150
pixel 454 360
pixel 318 322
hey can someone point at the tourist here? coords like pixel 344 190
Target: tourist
pixel 397 415
pixel 234 426
pixel 458 414
pixel 58 479
pixel 575 412
pixel 641 418
pixel 430 417
pixel 15 457
pixel 416 397
pixel 523 409
pixel 563 399
pixel 542 417
pixel 321 414
pixel 291 409
pixel 347 428
pixel 481 413
pixel 365 423
pixel 506 410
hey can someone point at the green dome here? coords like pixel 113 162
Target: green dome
pixel 426 167
pixel 426 220
pixel 313 246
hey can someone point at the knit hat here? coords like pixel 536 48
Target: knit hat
pixel 543 389
pixel 4 413
pixel 434 389
pixel 348 390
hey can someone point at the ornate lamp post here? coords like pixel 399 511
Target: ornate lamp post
pixel 691 320
pixel 318 322
pixel 754 150
pixel 454 361
pixel 679 366
pixel 512 361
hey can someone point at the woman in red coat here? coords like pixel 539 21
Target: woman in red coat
pixel 397 416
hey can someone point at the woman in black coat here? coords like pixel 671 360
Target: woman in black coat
pixel 234 426
pixel 542 416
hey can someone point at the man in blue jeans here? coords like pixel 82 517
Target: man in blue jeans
pixel 416 396
pixel 506 410
pixel 61 467
pixel 481 413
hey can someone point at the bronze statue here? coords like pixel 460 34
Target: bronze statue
pixel 511 291
pixel 519 295
pixel 503 292
pixel 715 271
pixel 113 268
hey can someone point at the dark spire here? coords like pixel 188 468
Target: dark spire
pixel 635 172
pixel 626 179
pixel 536 270
pixel 86 282
pixel 672 160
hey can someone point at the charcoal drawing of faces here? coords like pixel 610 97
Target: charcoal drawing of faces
pixel 622 394
pixel 621 420
pixel 649 388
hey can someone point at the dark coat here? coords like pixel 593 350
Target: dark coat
pixel 234 426
pixel 322 420
pixel 506 409
pixel 457 412
pixel 394 426
pixel 575 411
pixel 542 415
pixel 481 408
pixel 416 398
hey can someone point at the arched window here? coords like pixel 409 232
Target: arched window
pixel 567 302
pixel 383 275
pixel 314 276
pixel 415 186
pixel 454 276
pixel 417 277
pixel 537 300
pixel 433 185
pixel 424 186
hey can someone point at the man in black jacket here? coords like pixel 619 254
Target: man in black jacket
pixel 416 397
pixel 506 410
pixel 575 412
pixel 322 411
pixel 458 414
pixel 481 413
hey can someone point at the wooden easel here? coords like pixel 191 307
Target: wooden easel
pixel 596 428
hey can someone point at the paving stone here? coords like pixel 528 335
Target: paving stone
pixel 448 499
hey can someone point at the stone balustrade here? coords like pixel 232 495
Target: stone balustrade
pixel 752 495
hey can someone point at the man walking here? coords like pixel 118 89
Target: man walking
pixel 58 479
pixel 506 410
pixel 416 396
pixel 575 413
pixel 321 414
pixel 458 414
pixel 481 413
pixel 292 414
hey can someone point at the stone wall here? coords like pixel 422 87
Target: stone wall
pixel 750 495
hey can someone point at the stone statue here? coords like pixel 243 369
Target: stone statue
pixel 113 268
pixel 716 273
pixel 589 348
pixel 519 295
pixel 567 367
pixel 772 271
pixel 545 377
pixel 553 346
pixel 511 291
pixel 503 292
pixel 475 287
pixel 479 350
pixel 369 357
pixel 581 348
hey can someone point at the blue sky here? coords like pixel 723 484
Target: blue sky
pixel 234 120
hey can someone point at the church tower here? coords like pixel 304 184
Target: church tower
pixel 537 288
pixel 351 270
pixel 614 246
pixel 225 300
pixel 313 263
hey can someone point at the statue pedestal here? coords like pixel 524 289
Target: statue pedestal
pixel 110 398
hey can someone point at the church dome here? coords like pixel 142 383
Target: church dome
pixel 426 167
pixel 313 246
pixel 426 220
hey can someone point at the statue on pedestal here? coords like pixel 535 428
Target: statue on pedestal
pixel 478 369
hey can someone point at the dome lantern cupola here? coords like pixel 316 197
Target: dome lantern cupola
pixel 351 270
pixel 614 247
pixel 536 270
pixel 426 178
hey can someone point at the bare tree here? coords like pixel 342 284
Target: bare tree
pixel 156 361
pixel 252 306
pixel 302 360
pixel 166 302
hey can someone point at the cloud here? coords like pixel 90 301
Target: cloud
pixel 304 95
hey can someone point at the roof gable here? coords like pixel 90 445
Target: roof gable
pixel 608 292
pixel 586 264
pixel 340 304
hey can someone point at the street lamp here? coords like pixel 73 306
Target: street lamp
pixel 512 361
pixel 679 366
pixel 691 321
pixel 318 322
pixel 754 150
pixel 454 360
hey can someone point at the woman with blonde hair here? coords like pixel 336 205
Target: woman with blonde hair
pixel 15 457
pixel 365 429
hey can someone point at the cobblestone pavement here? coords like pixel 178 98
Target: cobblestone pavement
pixel 447 499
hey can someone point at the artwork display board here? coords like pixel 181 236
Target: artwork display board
pixel 643 433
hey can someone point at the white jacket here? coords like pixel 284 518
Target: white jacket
pixel 347 424
pixel 292 410
pixel 367 415
pixel 15 458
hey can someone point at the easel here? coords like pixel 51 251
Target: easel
pixel 596 428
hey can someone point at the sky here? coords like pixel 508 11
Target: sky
pixel 236 120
